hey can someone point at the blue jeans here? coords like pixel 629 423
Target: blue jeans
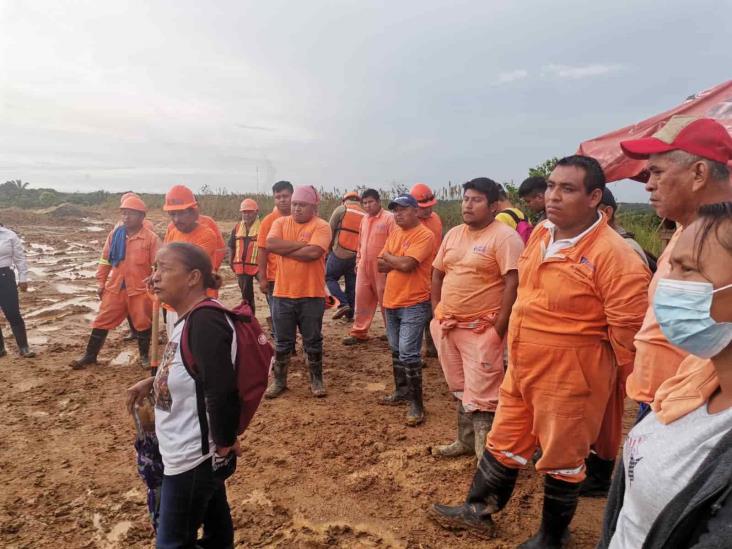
pixel 189 500
pixel 404 328
pixel 305 314
pixel 269 298
pixel 335 268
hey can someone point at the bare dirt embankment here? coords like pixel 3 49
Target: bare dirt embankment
pixel 336 472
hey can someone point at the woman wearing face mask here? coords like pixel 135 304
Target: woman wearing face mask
pixel 675 489
pixel 196 421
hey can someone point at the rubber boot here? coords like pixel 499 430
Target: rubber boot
pixel 279 375
pixel 315 365
pixel 415 413
pixel 143 344
pixel 492 486
pixel 465 441
pixel 482 423
pixel 399 396
pixel 21 338
pixel 599 475
pixel 560 503
pixel 96 340
pixel 3 352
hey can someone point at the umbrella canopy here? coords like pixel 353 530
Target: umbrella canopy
pixel 714 103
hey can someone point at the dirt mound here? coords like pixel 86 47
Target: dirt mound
pixel 67 210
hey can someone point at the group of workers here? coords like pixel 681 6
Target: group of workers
pixel 541 328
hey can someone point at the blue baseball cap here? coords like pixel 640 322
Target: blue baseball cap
pixel 404 200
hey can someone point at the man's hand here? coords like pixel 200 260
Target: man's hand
pixel 23 286
pixel 138 392
pixel 225 450
pixel 382 266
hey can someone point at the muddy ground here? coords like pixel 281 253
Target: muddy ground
pixel 336 472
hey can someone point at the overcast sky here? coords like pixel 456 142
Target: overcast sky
pixel 144 95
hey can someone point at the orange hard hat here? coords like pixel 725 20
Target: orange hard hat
pixel 127 195
pixel 423 194
pixel 179 197
pixel 248 205
pixel 353 195
pixel 133 202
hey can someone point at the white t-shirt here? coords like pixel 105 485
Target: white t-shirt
pixel 177 424
pixel 659 460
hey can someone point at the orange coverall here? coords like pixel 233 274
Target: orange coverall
pixel 570 341
pixel 434 224
pixel 370 282
pixel 125 292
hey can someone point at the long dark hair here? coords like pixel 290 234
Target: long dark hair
pixel 195 259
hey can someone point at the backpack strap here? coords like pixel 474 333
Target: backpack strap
pixel 512 215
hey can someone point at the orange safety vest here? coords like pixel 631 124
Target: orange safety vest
pixel 350 227
pixel 246 251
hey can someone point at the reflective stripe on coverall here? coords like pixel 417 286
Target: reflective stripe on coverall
pixel 570 341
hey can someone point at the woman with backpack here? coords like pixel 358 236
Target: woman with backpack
pixel 196 415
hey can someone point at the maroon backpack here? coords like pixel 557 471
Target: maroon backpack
pixel 253 356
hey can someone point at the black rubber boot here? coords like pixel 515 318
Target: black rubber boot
pixel 599 475
pixel 279 375
pixel 560 503
pixel 465 441
pixel 96 340
pixel 143 344
pixel 492 486
pixel 21 338
pixel 415 413
pixel 399 396
pixel 315 365
pixel 482 423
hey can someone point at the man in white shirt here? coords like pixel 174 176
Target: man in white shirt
pixel 12 257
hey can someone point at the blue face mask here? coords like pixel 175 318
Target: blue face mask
pixel 683 310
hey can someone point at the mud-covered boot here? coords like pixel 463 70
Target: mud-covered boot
pixel 415 413
pixel 482 423
pixel 21 338
pixel 399 396
pixel 279 375
pixel 315 365
pixel 599 475
pixel 143 345
pixel 96 340
pixel 492 486
pixel 132 334
pixel 560 503
pixel 465 441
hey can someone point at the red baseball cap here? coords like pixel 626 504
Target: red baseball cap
pixel 703 137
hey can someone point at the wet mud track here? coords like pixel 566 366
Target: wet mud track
pixel 335 472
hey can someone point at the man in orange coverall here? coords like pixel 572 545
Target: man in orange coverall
pixel 187 226
pixel 376 227
pixel 126 261
pixel 686 160
pixel 426 200
pixel 581 298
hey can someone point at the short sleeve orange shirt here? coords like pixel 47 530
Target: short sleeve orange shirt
pixel 201 236
pixel 474 263
pixel 264 227
pixel 296 279
pixel 407 289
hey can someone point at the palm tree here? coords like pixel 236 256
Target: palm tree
pixel 18 183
